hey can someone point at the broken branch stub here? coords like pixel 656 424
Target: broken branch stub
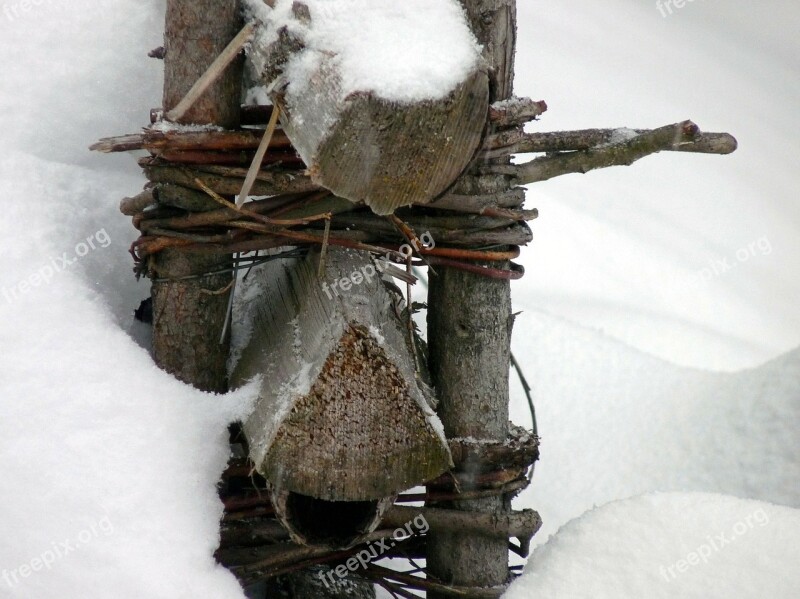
pixel 366 148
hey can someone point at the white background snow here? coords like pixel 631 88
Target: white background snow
pixel 653 370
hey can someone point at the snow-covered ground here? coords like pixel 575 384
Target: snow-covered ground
pixel 660 326
pixel 692 546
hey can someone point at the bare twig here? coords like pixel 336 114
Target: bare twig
pixel 138 203
pixel 227 180
pixel 250 179
pixel 515 111
pixel 677 137
pixel 513 198
pixel 517 141
pixel 521 525
pixel 207 141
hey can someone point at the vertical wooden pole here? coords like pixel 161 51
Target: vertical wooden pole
pixel 189 314
pixel 469 332
pixel 195 33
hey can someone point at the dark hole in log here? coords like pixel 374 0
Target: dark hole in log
pixel 334 523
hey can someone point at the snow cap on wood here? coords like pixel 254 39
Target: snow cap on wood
pixel 385 102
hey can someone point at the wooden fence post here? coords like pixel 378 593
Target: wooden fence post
pixel 189 314
pixel 469 332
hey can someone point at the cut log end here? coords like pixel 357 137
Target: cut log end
pixel 385 153
pixel 358 434
pixel 356 425
pixel 391 155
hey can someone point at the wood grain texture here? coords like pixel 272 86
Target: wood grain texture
pixel 343 413
pixel 369 149
pixel 384 153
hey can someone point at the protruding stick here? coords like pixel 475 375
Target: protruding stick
pixel 255 166
pixel 678 137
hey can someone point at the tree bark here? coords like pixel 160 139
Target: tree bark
pixel 189 315
pixel 469 332
pixel 196 32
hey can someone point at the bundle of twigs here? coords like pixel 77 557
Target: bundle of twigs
pixel 466 231
pixel 469 230
pixel 256 547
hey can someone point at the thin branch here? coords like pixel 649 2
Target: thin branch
pixel 515 111
pixel 513 198
pixel 162 141
pixel 521 525
pixel 678 137
pixel 520 449
pixel 517 141
pixel 227 180
pixel 250 179
pixel 138 203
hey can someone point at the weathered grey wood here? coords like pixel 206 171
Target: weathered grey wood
pixel 677 137
pixel 522 525
pixel 469 331
pixel 343 413
pixel 365 148
pixel 385 154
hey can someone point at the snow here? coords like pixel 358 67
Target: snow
pixel 427 42
pixel 101 453
pixel 109 465
pixel 631 252
pixel 687 545
pixel 170 127
pixel 621 135
pixel 616 422
pixel 659 323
